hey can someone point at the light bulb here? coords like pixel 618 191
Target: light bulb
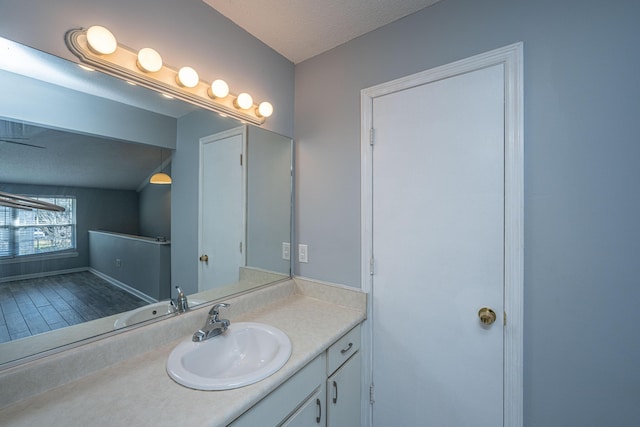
pixel 243 101
pixel 101 40
pixel 187 77
pixel 265 109
pixel 218 89
pixel 149 60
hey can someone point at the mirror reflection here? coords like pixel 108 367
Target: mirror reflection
pixel 113 258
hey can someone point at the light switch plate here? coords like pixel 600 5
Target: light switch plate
pixel 286 251
pixel 303 253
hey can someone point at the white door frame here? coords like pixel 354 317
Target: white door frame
pixel 511 59
pixel 240 130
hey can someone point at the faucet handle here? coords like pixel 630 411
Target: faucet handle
pixel 180 293
pixel 214 312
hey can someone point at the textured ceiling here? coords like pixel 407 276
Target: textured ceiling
pixel 301 29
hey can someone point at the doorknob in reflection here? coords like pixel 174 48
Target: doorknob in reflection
pixel 204 258
pixel 487 316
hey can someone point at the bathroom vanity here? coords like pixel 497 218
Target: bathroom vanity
pixel 122 380
pixel 324 392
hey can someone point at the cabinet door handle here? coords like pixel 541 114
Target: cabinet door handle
pixel 335 395
pixel 319 405
pixel 347 348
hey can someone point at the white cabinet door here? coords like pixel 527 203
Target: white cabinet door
pixel 311 414
pixel 343 394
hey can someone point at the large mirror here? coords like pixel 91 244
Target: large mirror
pixel 90 143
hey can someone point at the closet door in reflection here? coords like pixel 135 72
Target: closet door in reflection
pixel 222 208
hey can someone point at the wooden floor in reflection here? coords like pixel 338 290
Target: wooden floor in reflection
pixel 33 306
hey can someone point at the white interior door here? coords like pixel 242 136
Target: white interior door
pixel 222 208
pixel 438 247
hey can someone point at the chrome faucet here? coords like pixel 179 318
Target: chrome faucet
pixel 180 304
pixel 213 326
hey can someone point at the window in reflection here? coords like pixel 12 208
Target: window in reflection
pixel 33 232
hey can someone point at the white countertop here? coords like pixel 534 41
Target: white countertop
pixel 137 391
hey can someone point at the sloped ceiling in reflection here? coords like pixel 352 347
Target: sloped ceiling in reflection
pixel 70 159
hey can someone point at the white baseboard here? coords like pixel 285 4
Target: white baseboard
pixel 123 286
pixel 42 274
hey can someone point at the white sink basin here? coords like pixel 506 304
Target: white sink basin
pixel 246 353
pixel 147 312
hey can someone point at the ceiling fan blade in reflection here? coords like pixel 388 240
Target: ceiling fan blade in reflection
pixel 24 202
pixel 23 143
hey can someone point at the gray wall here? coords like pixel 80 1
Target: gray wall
pixel 96 209
pixel 582 233
pixel 268 199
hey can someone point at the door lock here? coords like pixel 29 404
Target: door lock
pixel 204 258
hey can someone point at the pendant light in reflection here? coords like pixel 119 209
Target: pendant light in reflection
pixel 160 177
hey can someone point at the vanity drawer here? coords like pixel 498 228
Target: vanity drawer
pixel 343 349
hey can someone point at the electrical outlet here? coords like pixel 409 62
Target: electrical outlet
pixel 118 263
pixel 303 253
pixel 286 251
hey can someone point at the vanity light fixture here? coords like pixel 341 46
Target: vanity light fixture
pixel 244 101
pixel 188 77
pixel 149 60
pixel 98 48
pixel 101 40
pixel 265 109
pixel 219 89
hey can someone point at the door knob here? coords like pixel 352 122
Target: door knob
pixel 204 258
pixel 487 316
